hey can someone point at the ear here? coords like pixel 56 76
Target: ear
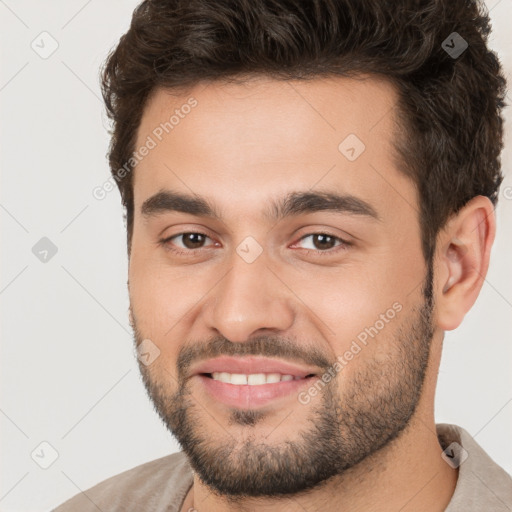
pixel 461 260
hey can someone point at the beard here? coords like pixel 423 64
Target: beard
pixel 377 405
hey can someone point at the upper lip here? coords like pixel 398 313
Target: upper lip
pixel 250 365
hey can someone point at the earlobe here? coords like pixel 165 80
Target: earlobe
pixel 462 260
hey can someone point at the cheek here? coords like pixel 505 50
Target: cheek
pixel 155 299
pixel 362 305
pixel 164 301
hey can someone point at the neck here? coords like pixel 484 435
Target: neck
pixel 407 475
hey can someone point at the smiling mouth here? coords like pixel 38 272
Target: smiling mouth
pixel 253 379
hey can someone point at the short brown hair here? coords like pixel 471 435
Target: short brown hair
pixel 449 105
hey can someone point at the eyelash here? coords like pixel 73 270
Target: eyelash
pixel 165 243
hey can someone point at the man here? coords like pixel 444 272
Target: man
pixel 309 190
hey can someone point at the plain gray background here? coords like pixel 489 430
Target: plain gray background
pixel 69 375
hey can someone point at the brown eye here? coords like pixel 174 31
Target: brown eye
pixel 192 240
pixel 323 242
pixel 181 243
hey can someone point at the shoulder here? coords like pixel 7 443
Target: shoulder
pixel 482 484
pixel 159 485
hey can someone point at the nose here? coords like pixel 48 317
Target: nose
pixel 249 298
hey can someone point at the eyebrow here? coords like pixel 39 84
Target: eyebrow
pixel 292 204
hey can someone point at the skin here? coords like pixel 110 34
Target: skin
pixel 241 145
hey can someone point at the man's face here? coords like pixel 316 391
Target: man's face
pixel 334 298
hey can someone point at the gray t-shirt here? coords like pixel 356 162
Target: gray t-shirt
pixel 161 485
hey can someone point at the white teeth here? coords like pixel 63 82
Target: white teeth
pixel 254 379
pixel 238 378
pixel 224 376
pixel 273 377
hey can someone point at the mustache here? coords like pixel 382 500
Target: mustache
pixel 266 346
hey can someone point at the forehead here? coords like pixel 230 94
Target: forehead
pixel 236 144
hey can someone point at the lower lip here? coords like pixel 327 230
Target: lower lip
pixel 248 397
